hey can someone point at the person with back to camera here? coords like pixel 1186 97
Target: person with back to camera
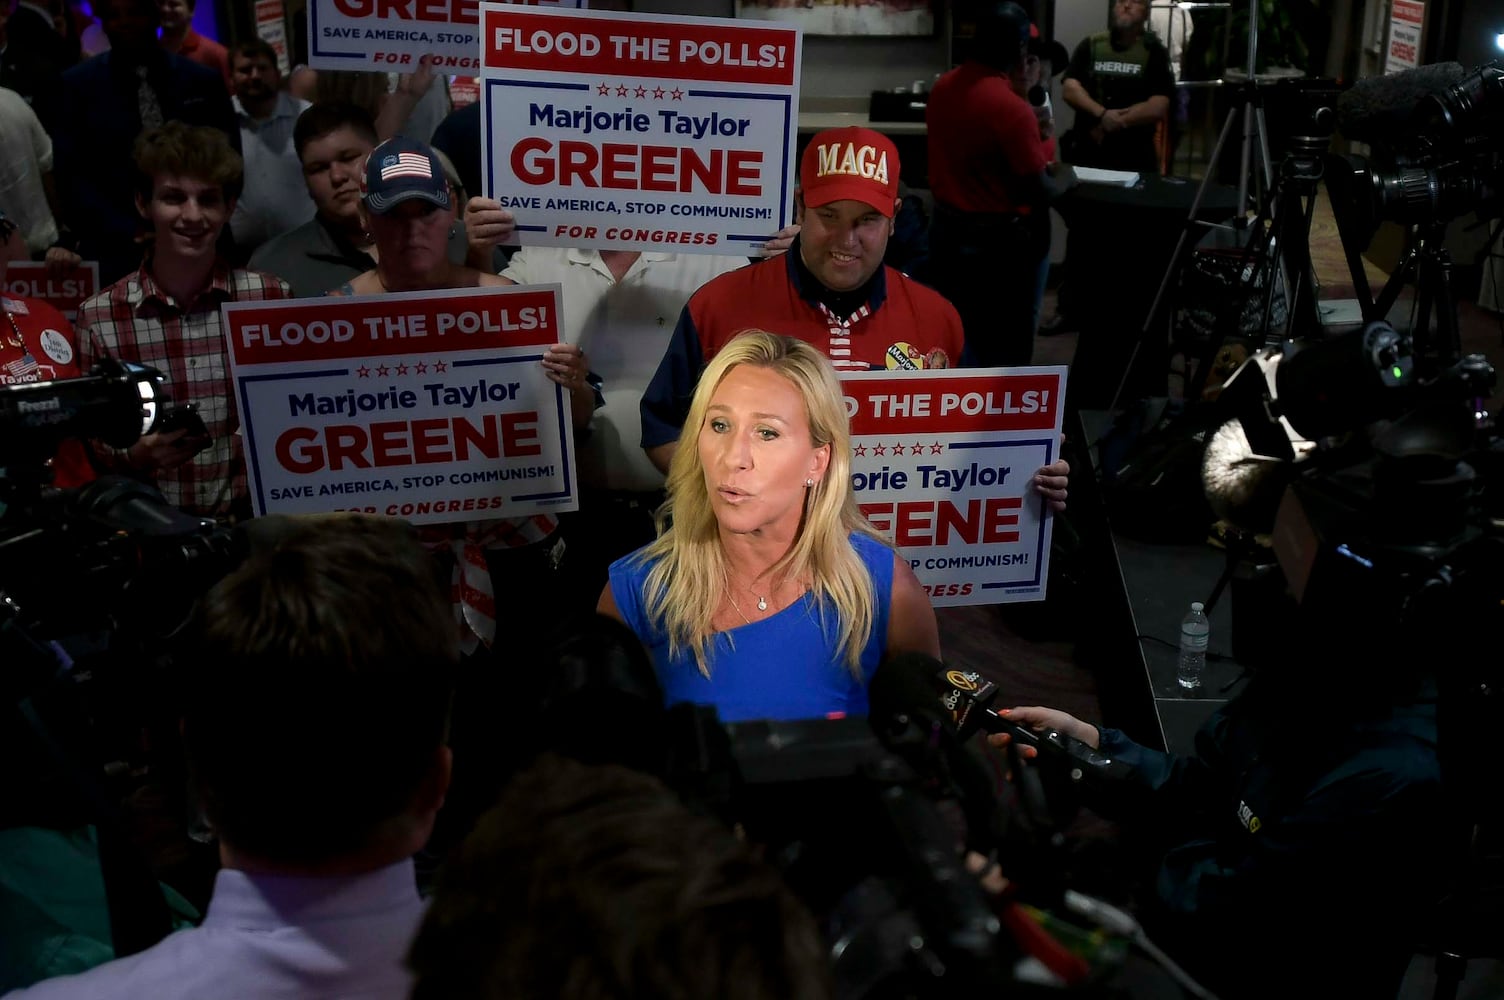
pixel 767 594
pixel 317 693
pixel 1298 849
pixel 597 883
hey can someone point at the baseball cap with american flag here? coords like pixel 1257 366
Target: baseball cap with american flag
pixel 400 169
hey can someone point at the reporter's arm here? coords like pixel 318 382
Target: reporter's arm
pixel 1176 785
pixel 1039 718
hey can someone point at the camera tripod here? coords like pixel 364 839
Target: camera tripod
pixel 1278 249
pixel 1249 108
pixel 1429 264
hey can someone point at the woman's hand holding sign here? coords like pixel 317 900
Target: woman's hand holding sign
pixel 487 225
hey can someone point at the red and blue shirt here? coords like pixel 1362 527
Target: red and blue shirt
pixel 901 325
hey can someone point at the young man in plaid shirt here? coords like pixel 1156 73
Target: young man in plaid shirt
pixel 166 315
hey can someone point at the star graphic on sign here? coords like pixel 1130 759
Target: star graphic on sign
pixel 621 91
pixel 421 368
pixel 898 449
pixel 363 372
pixel 439 366
pixel 935 449
pixel 879 450
pixel 402 369
pixel 658 93
pixel 860 451
pixel 677 94
pixel 917 449
pixel 604 90
pixel 640 93
pixel 383 371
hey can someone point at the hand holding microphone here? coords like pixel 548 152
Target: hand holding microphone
pixel 910 683
pixel 1068 740
pixel 1041 719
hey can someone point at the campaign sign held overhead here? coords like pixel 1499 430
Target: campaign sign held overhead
pixel 639 132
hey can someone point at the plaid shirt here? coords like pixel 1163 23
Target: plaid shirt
pixel 136 320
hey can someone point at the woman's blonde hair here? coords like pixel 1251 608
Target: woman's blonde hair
pixel 688 579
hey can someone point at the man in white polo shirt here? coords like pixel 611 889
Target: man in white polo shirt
pixel 620 307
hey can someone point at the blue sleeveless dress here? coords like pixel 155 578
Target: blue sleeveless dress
pixel 787 666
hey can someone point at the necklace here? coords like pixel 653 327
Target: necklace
pixel 762 604
pixel 738 608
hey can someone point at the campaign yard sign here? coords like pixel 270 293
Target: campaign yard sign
pixel 397 35
pixel 63 290
pixel 1407 18
pixel 639 132
pixel 943 466
pixel 431 406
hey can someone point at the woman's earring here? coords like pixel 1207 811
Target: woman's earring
pixel 809 484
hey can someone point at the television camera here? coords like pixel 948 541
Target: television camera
pixel 1436 138
pixel 95 584
pixel 1381 492
pixel 112 554
pixel 870 819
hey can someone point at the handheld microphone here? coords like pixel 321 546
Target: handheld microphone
pixel 968 696
pixel 1376 109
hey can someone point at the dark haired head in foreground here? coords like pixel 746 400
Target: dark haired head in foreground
pixel 318 704
pixel 596 882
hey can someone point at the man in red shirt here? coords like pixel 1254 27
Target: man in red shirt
pixel 988 171
pixel 831 289
pixel 178 36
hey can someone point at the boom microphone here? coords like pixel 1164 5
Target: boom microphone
pixel 1376 109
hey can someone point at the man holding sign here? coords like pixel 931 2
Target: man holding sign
pixel 831 290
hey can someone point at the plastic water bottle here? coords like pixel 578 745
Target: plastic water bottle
pixel 1195 631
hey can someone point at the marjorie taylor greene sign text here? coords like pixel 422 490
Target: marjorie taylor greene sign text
pixel 399 34
pixel 943 466
pixel 639 132
pixel 432 406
